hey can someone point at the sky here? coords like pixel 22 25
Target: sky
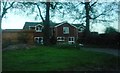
pixel 17 21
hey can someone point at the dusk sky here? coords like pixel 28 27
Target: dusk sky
pixel 17 21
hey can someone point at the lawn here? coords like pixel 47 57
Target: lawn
pixel 56 59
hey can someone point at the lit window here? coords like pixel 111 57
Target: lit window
pixel 66 30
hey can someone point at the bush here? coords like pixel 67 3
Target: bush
pixel 53 40
pixel 102 40
pixel 68 46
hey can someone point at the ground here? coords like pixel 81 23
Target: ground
pixel 43 58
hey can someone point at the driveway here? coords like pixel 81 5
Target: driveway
pixel 105 50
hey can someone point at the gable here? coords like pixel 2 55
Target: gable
pixel 64 23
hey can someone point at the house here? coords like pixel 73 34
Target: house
pixel 64 32
pixel 38 30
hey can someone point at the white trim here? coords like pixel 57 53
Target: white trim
pixel 66 29
pixel 64 23
pixel 61 39
pixel 38 30
pixel 39 24
pixel 81 29
pixel 73 41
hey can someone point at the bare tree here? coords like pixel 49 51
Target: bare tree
pixel 45 19
pixel 5 7
pixel 89 11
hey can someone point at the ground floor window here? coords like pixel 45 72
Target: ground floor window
pixel 71 40
pixel 38 40
pixel 60 38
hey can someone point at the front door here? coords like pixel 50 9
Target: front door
pixel 71 40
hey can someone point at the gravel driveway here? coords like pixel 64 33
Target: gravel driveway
pixel 115 52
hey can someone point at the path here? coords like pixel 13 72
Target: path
pixel 115 52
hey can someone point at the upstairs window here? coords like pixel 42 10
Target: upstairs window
pixel 38 29
pixel 65 30
pixel 31 28
pixel 81 29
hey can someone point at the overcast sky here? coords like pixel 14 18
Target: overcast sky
pixel 17 21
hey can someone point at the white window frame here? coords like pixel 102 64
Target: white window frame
pixel 39 29
pixel 66 30
pixel 60 39
pixel 41 42
pixel 71 41
pixel 81 29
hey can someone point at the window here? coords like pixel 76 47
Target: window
pixel 66 30
pixel 71 40
pixel 39 40
pixel 60 38
pixel 38 29
pixel 81 29
pixel 31 28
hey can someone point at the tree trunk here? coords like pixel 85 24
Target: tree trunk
pixel 0 40
pixel 87 8
pixel 47 25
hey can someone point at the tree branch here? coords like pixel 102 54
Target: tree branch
pixel 53 6
pixel 10 5
pixel 82 3
pixel 94 3
pixel 40 12
pixel 5 9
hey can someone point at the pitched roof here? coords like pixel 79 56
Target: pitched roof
pixel 52 24
pixel 79 25
pixel 12 30
pixel 27 24
pixel 64 23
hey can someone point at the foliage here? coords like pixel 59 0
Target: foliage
pixel 109 40
pixel 53 40
pixel 68 46
pixel 110 30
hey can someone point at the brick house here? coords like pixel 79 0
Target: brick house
pixel 64 32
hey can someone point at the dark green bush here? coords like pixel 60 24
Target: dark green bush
pixel 68 46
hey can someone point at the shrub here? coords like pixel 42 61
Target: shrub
pixel 53 40
pixel 68 46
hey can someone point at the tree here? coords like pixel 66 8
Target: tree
pixel 47 25
pixel 110 30
pixel 5 7
pixel 87 8
pixel 45 19
pixel 89 12
pixel 94 12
